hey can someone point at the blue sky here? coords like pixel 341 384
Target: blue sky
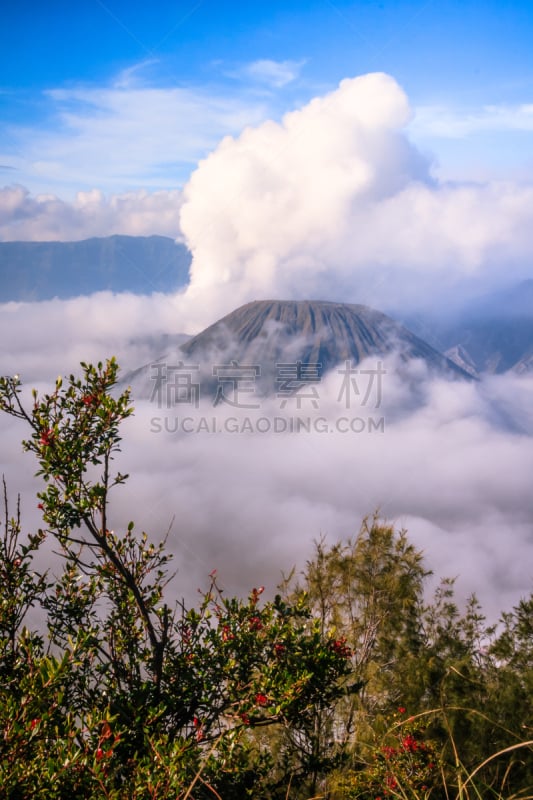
pixel 124 96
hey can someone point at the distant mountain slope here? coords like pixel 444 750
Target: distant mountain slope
pixel 493 334
pixel 264 333
pixel 138 264
pixel 496 345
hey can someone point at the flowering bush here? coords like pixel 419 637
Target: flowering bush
pixel 403 764
pixel 124 696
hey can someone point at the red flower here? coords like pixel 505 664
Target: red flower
pixel 47 438
pixel 99 754
pixel 261 699
pixel 410 744
pixel 279 649
pixel 198 726
pixel 255 594
pixel 255 624
pixel 40 506
pixel 340 647
pixel 401 710
pixel 34 723
pixel 227 635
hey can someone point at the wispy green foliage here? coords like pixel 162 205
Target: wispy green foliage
pixel 471 683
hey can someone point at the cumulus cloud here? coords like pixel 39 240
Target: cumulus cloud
pixel 27 217
pixel 335 200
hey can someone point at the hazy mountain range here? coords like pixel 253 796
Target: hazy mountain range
pixel 138 264
pixel 493 334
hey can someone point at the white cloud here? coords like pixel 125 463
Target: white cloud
pixel 477 144
pixel 335 201
pixel 40 339
pixel 24 217
pixel 251 504
pixel 123 136
pixel 443 122
pixel 273 73
pixel 131 76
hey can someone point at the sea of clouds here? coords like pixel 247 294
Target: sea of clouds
pixel 333 202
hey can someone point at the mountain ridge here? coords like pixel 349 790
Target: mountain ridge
pixel 36 271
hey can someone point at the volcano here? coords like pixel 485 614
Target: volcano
pixel 270 331
pixel 317 336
